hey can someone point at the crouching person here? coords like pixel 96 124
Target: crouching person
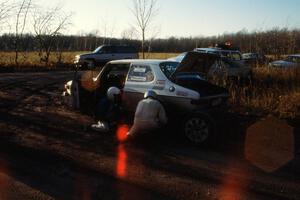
pixel 150 115
pixel 108 110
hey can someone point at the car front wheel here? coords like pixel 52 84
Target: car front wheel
pixel 198 129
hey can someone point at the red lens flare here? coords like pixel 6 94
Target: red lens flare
pixel 122 132
pixel 121 166
pixel 121 162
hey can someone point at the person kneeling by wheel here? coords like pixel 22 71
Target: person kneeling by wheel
pixel 150 115
pixel 108 110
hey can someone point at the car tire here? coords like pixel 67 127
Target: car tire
pixel 199 129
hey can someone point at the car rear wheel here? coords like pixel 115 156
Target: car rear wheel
pixel 198 129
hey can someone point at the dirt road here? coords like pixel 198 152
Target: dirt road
pixel 47 151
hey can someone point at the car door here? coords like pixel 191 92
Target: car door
pixel 140 79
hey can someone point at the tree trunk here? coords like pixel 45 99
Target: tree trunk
pixel 143 42
pixel 17 51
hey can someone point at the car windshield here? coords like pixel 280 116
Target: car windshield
pixel 97 50
pixel 180 57
pixel 168 68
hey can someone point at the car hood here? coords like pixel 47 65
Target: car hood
pixel 86 55
pixel 196 62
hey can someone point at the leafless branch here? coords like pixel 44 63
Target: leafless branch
pixel 143 12
pixel 6 11
pixel 47 25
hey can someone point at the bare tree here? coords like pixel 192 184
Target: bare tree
pixel 128 34
pixel 6 10
pixel 48 24
pixel 21 19
pixel 144 11
pixel 154 33
pixel 108 30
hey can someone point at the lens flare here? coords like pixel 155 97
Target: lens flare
pixel 270 144
pixel 122 132
pixel 121 166
pixel 121 162
pixel 234 187
pixel 87 81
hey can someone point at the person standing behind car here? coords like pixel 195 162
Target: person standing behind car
pixel 150 115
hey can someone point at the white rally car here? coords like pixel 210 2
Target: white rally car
pixel 183 88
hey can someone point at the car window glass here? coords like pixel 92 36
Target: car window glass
pixel 106 49
pixel 120 49
pixel 129 50
pixel 168 68
pixel 140 73
pixel 97 50
pixel 118 69
pixel 225 54
pixel 294 59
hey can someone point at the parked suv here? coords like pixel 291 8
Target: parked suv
pixel 183 88
pixel 104 54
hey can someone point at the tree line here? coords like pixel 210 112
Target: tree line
pixel 33 27
pixel 272 42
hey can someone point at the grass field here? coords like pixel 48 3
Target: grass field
pixel 32 59
pixel 272 91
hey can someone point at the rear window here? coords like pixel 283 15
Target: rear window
pixel 168 68
pixel 106 49
pixel 140 73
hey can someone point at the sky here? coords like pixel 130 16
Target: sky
pixel 182 18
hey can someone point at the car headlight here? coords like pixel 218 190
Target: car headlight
pixel 77 58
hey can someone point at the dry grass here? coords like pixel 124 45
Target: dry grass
pixel 158 55
pixel 32 59
pixel 274 91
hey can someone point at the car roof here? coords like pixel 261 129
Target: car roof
pixel 295 55
pixel 140 61
pixel 216 49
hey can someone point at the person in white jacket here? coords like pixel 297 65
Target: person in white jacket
pixel 149 115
